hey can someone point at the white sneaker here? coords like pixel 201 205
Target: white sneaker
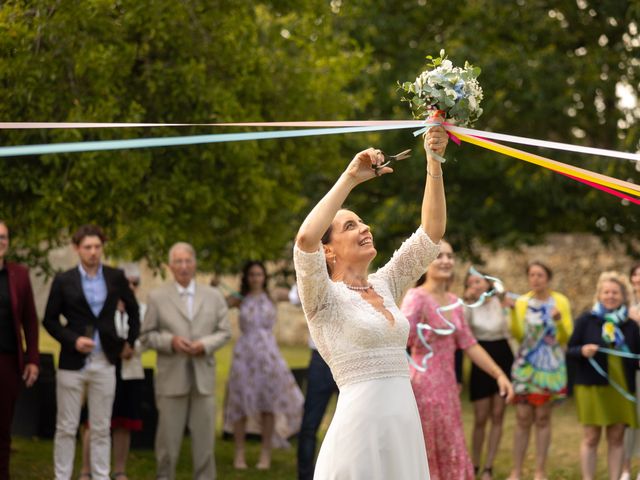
pixel 626 476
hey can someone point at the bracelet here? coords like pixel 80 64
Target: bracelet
pixel 432 175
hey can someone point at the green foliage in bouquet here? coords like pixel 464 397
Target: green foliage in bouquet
pixel 455 91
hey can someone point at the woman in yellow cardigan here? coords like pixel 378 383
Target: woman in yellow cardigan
pixel 541 322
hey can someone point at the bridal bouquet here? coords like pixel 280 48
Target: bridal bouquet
pixel 453 91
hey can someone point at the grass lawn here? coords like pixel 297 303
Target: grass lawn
pixel 32 458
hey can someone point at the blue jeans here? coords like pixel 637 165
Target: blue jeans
pixel 320 387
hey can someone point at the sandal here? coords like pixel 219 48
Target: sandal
pixel 487 471
pixel 240 464
pixel 263 465
pixel 265 461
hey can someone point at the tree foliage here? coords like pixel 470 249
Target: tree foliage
pixel 551 70
pixel 167 61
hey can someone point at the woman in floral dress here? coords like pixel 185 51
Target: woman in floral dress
pixel 541 322
pixel 262 394
pixel 436 389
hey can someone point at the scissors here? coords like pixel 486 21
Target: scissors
pixel 391 158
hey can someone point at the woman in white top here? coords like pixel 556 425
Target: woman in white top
pixel 490 327
pixel 358 328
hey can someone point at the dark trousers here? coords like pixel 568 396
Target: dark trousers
pixel 320 387
pixel 459 359
pixel 10 381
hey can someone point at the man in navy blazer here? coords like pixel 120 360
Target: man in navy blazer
pixel 17 315
pixel 87 296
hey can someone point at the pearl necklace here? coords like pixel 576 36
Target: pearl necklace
pixel 358 288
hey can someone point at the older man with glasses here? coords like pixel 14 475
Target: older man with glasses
pixel 186 322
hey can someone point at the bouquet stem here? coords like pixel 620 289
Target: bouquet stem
pixel 438 117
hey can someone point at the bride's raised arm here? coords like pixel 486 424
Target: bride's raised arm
pixel 434 208
pixel 415 254
pixel 361 169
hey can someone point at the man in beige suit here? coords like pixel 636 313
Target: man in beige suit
pixel 185 323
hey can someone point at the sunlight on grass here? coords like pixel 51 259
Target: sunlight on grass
pixel 32 458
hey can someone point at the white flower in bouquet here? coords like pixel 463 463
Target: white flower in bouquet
pixel 454 91
pixel 446 66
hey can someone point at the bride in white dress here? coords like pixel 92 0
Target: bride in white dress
pixel 358 328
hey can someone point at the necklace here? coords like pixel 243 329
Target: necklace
pixel 358 288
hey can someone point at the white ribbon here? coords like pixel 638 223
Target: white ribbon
pixel 543 143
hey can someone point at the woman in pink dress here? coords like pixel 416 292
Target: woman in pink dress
pixel 436 389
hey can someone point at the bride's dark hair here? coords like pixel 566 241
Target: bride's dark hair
pixel 326 238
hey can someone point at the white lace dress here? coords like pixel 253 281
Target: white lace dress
pixel 375 433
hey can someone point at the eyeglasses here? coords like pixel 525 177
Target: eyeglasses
pixel 182 261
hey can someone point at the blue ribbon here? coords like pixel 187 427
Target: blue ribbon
pixel 231 291
pixel 425 129
pixel 619 353
pixel 600 370
pixel 102 145
pixel 451 328
pixel 614 384
pixel 425 358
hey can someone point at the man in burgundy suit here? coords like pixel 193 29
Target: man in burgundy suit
pixel 17 314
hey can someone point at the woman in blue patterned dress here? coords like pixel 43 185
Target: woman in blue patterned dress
pixel 541 322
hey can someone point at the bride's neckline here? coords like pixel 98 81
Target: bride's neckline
pixel 358 288
pixel 390 321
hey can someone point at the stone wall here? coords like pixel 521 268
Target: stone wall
pixel 576 260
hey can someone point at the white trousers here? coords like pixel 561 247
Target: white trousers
pixel 98 378
pixel 196 411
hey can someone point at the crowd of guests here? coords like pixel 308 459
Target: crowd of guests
pixel 526 350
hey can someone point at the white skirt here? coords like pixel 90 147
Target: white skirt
pixel 375 434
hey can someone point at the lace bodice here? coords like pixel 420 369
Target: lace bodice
pixel 355 339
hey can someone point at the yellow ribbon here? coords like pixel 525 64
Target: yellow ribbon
pixel 554 165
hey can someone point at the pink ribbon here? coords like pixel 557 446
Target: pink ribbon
pixel 321 123
pixel 608 190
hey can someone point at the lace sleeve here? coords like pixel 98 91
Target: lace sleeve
pixel 408 263
pixel 312 280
